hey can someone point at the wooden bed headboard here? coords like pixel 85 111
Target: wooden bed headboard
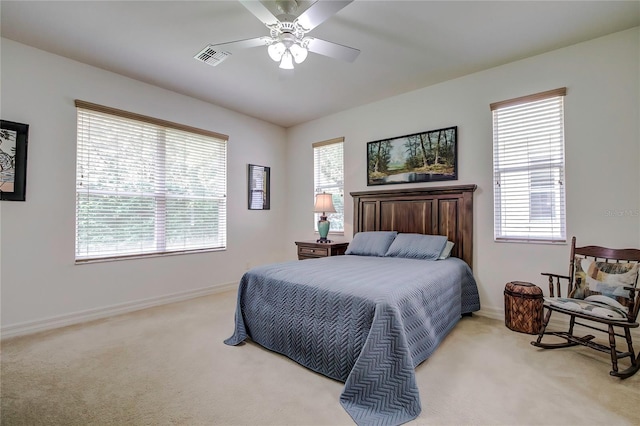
pixel 441 210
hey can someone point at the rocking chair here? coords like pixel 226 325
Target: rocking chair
pixel 602 289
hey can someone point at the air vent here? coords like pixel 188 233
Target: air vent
pixel 211 56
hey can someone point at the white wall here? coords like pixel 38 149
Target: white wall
pixel 40 282
pixel 602 111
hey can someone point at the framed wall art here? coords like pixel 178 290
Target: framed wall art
pixel 13 160
pixel 420 157
pixel 258 178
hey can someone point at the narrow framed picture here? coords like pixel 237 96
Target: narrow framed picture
pixel 421 157
pixel 13 160
pixel 258 191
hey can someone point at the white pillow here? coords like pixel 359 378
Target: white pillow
pixel 446 251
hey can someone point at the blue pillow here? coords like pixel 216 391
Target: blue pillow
pixel 417 246
pixel 374 243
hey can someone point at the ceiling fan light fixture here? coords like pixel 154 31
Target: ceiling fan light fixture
pixel 287 41
pixel 276 50
pixel 287 61
pixel 299 53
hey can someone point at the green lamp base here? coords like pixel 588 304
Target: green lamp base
pixel 323 230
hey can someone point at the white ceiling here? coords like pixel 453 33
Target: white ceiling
pixel 405 45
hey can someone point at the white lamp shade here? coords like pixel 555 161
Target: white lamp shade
pixel 299 53
pixel 324 203
pixel 287 61
pixel 276 51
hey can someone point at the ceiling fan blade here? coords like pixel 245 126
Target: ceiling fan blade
pixel 260 11
pixel 214 54
pixel 319 12
pixel 333 50
pixel 243 44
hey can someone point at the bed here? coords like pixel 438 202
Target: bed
pixel 368 318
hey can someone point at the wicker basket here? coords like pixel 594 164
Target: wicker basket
pixel 523 307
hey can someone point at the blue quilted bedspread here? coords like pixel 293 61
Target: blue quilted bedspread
pixel 366 321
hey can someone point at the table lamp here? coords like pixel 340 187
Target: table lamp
pixel 324 204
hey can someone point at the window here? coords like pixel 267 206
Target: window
pixel 528 168
pixel 146 186
pixel 259 182
pixel 328 172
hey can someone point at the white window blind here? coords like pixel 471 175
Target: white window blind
pixel 259 177
pixel 146 186
pixel 328 172
pixel 528 168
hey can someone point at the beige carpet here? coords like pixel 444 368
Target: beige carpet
pixel 168 366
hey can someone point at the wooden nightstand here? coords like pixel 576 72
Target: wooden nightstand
pixel 311 249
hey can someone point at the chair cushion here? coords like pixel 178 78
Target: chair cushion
pixel 606 278
pixel 595 306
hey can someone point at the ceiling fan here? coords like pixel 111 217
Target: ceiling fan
pixel 288 41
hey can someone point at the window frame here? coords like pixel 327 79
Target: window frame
pixel 320 188
pixel 535 226
pixel 163 128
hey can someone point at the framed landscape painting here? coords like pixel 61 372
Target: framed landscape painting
pixel 13 160
pixel 420 157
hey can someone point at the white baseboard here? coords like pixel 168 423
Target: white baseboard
pixel 493 313
pixel 557 322
pixel 30 327
pixel 50 323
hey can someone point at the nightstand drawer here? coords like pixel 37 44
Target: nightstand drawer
pixel 313 251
